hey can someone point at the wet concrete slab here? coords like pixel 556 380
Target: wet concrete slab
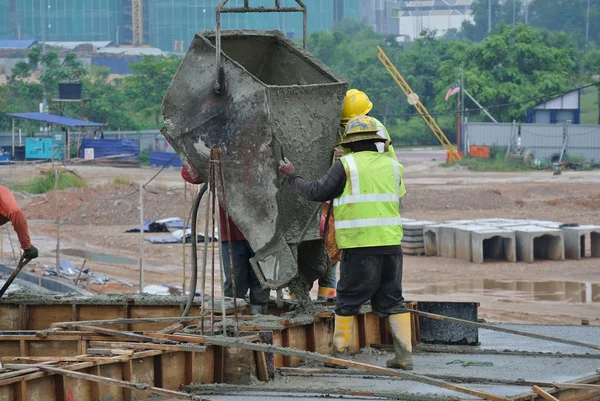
pixel 494 340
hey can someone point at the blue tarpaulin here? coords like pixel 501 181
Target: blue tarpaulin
pixel 110 147
pixel 10 44
pixel 117 65
pixel 165 159
pixel 54 119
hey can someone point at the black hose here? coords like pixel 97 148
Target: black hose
pixel 194 278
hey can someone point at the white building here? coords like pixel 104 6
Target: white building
pixel 441 15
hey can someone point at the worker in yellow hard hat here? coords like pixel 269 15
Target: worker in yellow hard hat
pixel 366 188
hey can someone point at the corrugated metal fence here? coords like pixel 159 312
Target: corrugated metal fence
pixel 546 141
pixel 147 140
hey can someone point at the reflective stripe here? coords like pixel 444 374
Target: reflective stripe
pixel 365 198
pixel 353 174
pixel 375 222
pixel 396 174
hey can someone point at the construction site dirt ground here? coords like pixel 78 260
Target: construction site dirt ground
pixel 93 227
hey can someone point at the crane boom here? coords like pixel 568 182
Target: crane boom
pixel 414 100
pixel 137 23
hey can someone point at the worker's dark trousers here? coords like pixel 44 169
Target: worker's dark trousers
pixel 245 278
pixel 374 277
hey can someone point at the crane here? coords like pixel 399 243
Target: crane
pixel 137 23
pixel 413 99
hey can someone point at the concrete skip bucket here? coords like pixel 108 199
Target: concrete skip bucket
pixel 278 101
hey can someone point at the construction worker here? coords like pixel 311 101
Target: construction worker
pixel 245 277
pixel 365 186
pixel 10 211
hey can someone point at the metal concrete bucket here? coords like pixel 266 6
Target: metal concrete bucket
pixel 278 100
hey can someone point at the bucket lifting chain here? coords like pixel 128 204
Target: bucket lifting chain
pixel 219 86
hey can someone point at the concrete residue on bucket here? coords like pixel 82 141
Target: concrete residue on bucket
pixel 279 100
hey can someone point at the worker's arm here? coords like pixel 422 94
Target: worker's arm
pixel 10 211
pixel 328 187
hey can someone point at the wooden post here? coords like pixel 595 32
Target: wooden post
pixel 56 178
pixel 141 238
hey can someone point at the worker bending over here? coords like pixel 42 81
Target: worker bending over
pixel 365 186
pixel 10 211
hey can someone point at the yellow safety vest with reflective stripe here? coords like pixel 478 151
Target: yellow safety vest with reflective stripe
pixel 366 213
pixel 380 147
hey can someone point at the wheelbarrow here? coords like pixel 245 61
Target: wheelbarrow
pixel 258 96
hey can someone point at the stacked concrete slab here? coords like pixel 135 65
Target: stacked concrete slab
pixel 510 240
pixel 413 242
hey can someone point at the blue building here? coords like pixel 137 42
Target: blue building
pixel 565 109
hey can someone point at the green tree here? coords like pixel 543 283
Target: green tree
pixel 509 11
pixel 508 66
pixel 568 16
pixel 109 103
pixel 146 88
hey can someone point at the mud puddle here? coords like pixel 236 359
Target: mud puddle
pixel 553 291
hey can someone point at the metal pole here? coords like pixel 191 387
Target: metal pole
pixel 587 22
pixel 142 238
pixel 43 7
pixel 480 106
pixel 56 179
pixel 13 139
pixel 462 104
pixel 489 16
pixel 526 12
pixel 514 13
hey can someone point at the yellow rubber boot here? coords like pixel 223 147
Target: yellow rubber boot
pixel 400 324
pixel 326 293
pixel 342 336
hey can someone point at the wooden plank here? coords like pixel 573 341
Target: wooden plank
pixel 106 312
pixel 362 330
pixel 190 361
pixel 51 348
pixel 10 348
pixel 95 386
pixel 152 312
pixel 204 366
pixel 40 389
pixel 262 370
pixel 172 328
pixel 295 338
pixel 544 394
pixel 142 371
pixel 110 352
pixel 324 336
pixel 9 317
pixel 40 317
pixel 111 392
pixel 355 344
pixel 126 384
pixel 277 340
pixel 126 369
pixel 239 366
pixel 372 330
pixel 172 368
pixel 79 358
pixel 117 333
pixel 139 346
pixel 16 373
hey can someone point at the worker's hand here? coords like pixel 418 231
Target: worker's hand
pixel 337 153
pixel 31 253
pixel 286 168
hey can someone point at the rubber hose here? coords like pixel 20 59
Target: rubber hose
pixel 194 278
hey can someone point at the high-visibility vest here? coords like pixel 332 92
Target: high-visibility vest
pixel 382 132
pixel 366 213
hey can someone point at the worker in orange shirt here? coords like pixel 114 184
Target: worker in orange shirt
pixel 10 211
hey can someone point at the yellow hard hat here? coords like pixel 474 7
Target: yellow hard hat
pixel 361 128
pixel 356 103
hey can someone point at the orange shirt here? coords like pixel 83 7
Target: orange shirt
pixel 10 211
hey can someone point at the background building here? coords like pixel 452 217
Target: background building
pixel 441 15
pixel 167 24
